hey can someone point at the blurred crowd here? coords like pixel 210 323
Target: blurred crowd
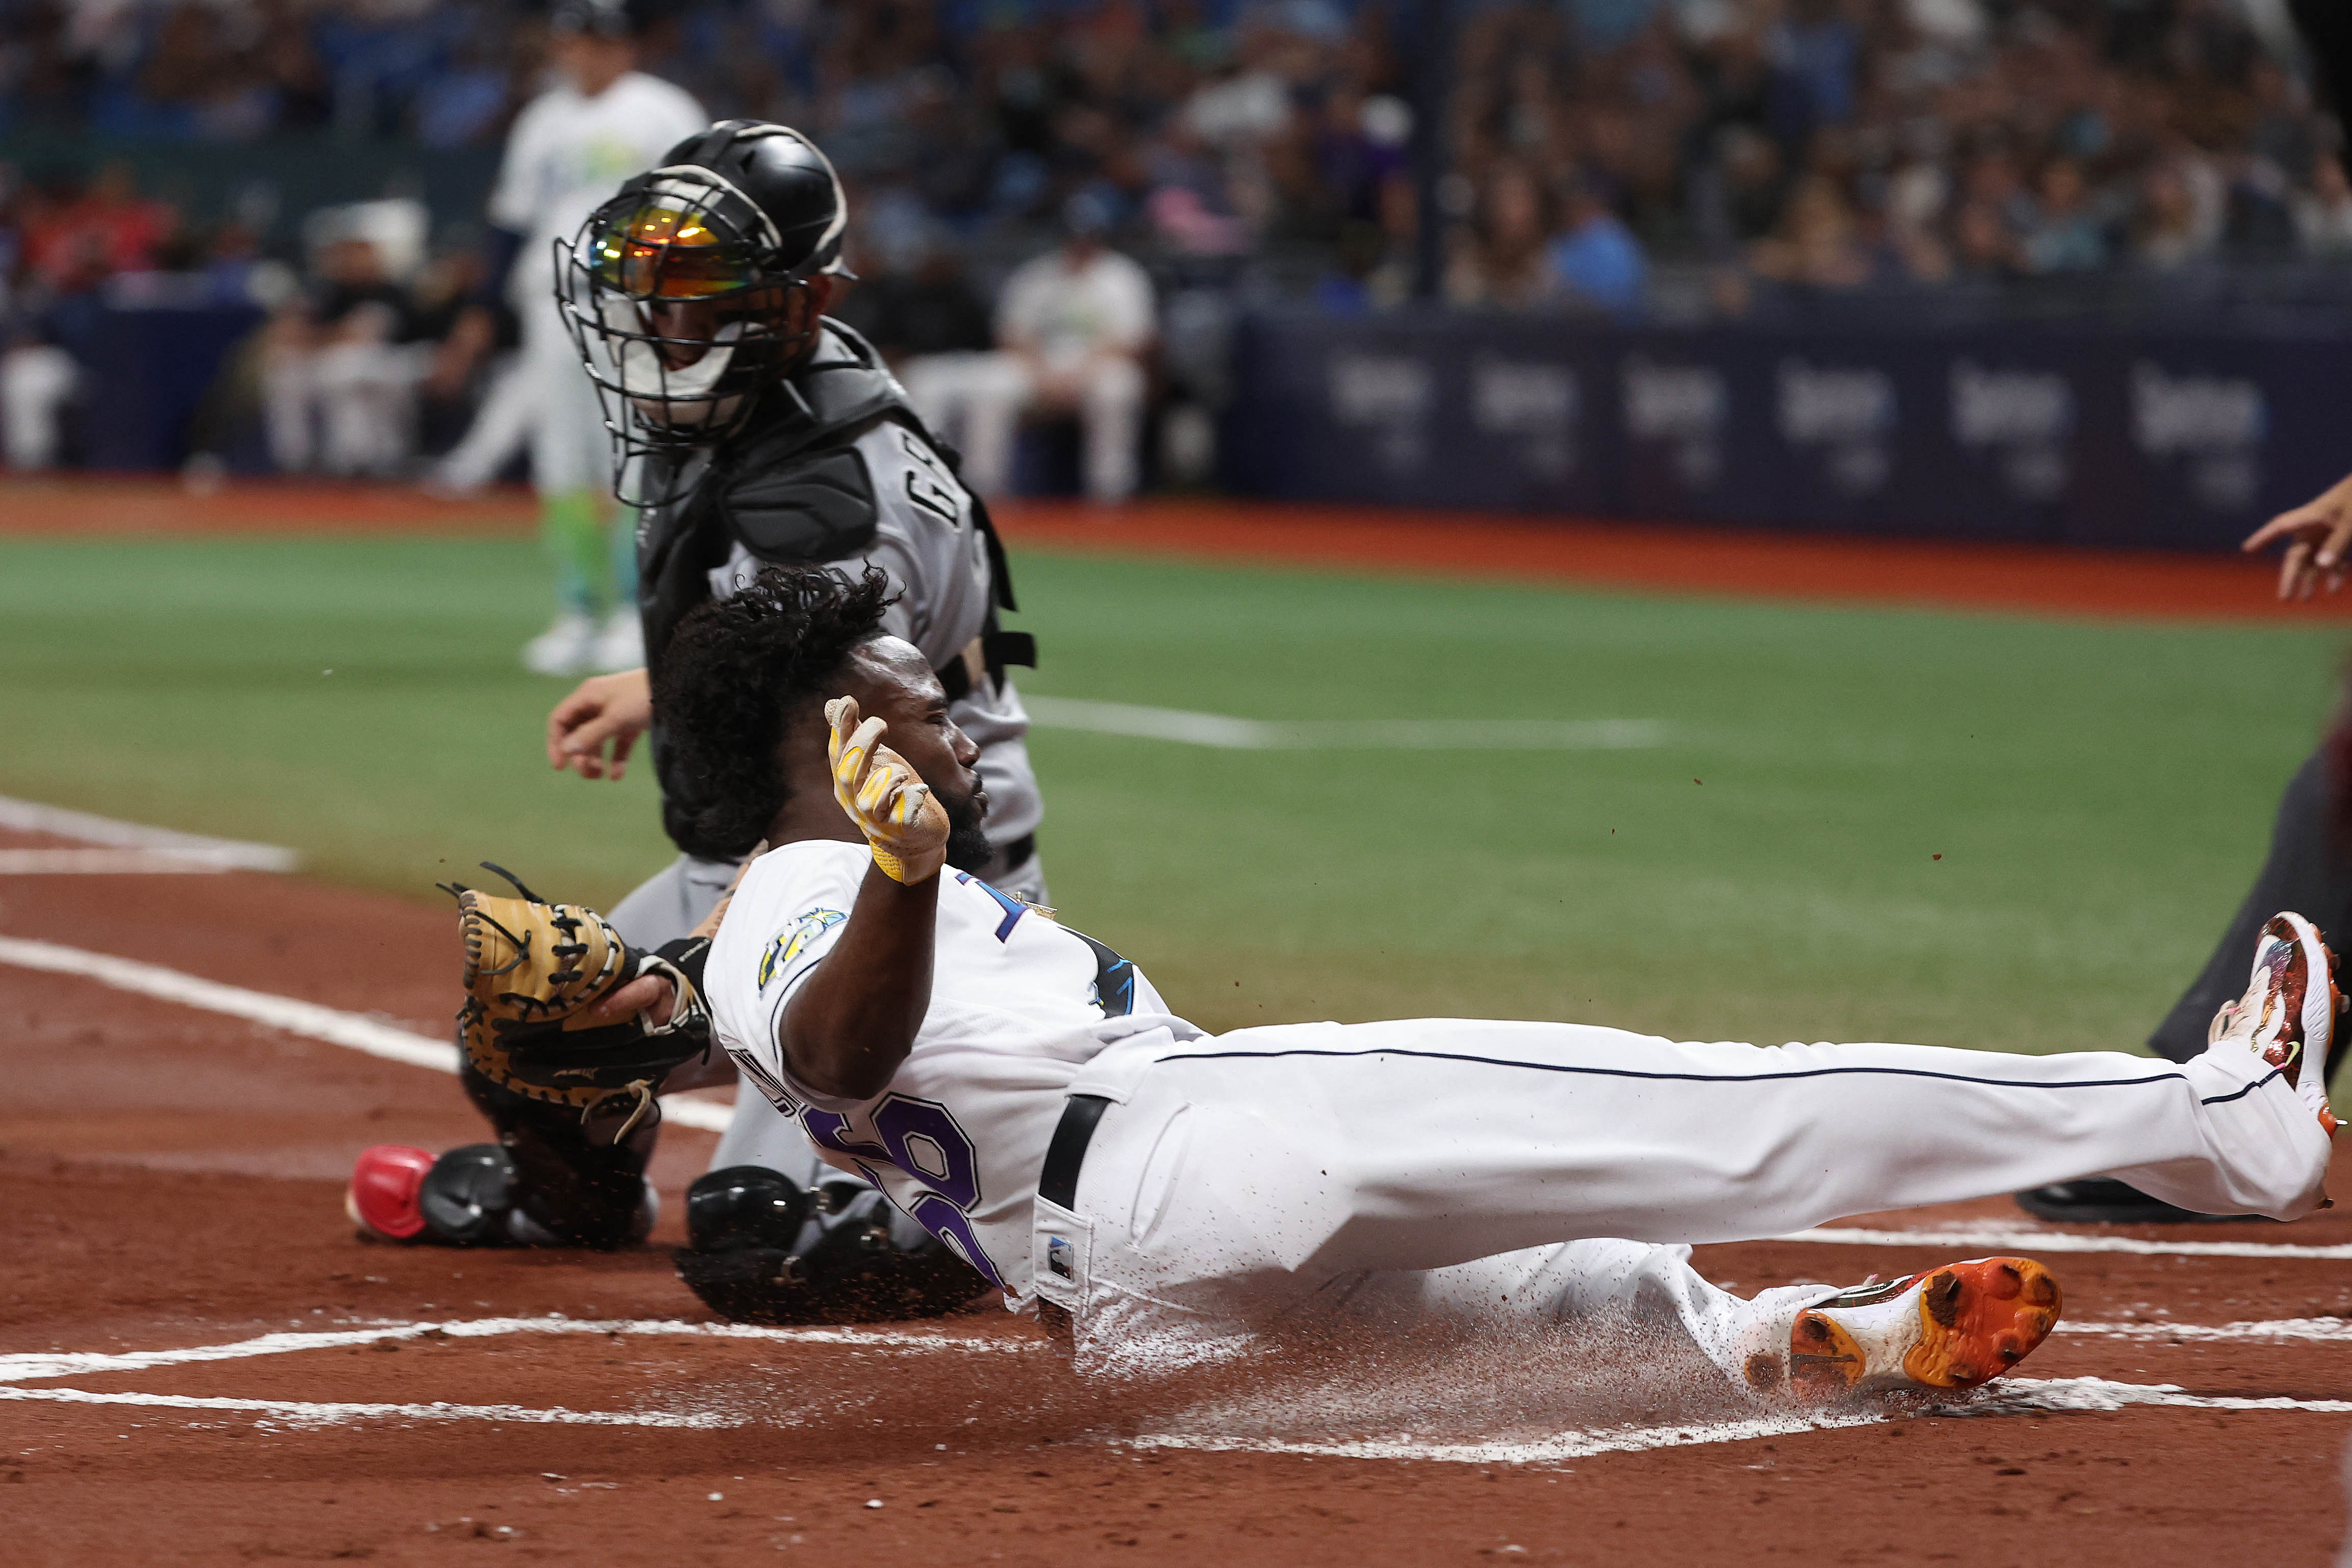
pixel 1821 142
pixel 1246 149
pixel 1839 144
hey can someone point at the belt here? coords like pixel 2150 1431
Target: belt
pixel 1017 854
pixel 1057 1178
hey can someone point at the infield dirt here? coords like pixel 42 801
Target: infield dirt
pixel 170 1178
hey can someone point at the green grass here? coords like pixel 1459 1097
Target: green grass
pixel 2099 793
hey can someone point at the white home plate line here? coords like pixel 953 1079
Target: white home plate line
pixel 192 850
pixel 353 1031
pixel 2011 1396
pixel 1229 733
pixel 2016 1396
pixel 2274 1330
pixel 1530 1451
pixel 36 1365
pixel 2025 1239
pixel 309 1412
pixel 33 1365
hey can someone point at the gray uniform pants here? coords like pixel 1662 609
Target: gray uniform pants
pixel 672 902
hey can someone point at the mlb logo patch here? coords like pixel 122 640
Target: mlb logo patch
pixel 1061 1257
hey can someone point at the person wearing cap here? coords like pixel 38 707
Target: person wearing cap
pixel 600 123
pixel 1073 326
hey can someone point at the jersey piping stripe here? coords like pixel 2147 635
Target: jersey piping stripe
pixel 2240 1094
pixel 1723 1078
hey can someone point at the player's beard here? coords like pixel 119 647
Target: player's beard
pixel 968 846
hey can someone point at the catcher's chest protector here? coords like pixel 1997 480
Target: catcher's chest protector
pixel 832 458
pixel 788 473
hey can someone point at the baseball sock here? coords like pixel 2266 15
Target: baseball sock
pixel 621 544
pixel 574 536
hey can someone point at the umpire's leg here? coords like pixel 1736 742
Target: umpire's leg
pixel 2305 872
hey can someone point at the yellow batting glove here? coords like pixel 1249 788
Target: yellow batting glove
pixel 904 826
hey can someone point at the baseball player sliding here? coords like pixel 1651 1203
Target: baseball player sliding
pixel 1026 1093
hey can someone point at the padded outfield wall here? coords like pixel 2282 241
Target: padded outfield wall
pixel 2067 432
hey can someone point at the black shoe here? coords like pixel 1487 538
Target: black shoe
pixel 2103 1200
pixel 762 1249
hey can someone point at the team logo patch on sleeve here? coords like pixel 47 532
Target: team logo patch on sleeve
pixel 791 944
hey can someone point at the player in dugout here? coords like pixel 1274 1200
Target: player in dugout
pixel 1167 1195
pixel 753 430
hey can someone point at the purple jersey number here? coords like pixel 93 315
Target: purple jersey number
pixel 919 1136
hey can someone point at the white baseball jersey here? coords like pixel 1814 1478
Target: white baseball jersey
pixel 925 539
pixel 1071 313
pixel 1019 1004
pixel 568 153
pixel 1464 1167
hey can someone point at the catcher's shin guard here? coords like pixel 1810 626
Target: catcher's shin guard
pixel 569 1183
pixel 763 1249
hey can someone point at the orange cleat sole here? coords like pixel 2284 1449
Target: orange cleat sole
pixel 1975 1322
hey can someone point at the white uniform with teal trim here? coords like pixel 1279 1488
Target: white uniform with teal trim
pixel 567 154
pixel 1474 1169
pixel 1018 1005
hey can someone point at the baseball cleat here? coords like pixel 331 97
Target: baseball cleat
pixel 462 1198
pixel 384 1198
pixel 2286 1017
pixel 568 646
pixel 1949 1328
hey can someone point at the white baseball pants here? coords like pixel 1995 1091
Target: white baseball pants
pixel 977 399
pixel 570 448
pixel 1439 1166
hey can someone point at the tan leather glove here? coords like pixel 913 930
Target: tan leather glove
pixel 905 828
pixel 535 975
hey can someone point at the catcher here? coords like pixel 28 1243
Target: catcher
pixel 552 1022
pixel 753 430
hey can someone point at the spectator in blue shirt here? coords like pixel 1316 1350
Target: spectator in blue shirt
pixel 1596 259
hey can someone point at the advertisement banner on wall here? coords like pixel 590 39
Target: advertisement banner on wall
pixel 2010 431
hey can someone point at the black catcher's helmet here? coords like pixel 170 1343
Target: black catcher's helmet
pixel 678 291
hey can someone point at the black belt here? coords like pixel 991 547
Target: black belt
pixel 1057 1178
pixel 1018 853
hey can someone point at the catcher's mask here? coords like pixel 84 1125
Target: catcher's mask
pixel 679 291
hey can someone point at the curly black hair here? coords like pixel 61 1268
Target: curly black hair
pixel 732 672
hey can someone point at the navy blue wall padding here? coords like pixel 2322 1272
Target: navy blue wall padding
pixel 148 369
pixel 2077 433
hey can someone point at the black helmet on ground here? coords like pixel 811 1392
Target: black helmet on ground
pixel 689 291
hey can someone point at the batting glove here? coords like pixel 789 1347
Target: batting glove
pixel 905 828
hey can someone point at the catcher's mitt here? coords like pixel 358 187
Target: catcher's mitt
pixel 534 970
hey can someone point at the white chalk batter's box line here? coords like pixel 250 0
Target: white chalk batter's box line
pixel 353 1031
pixel 34 1365
pixel 31 1366
pixel 1223 731
pixel 132 848
pixel 377 1037
pixel 2011 1396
